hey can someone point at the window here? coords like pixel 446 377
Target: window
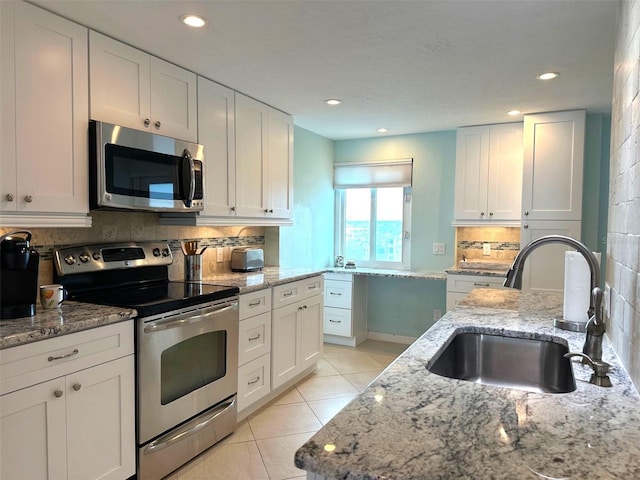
pixel 373 226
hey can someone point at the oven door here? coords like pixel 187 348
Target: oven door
pixel 187 362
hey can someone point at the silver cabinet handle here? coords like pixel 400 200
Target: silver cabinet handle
pixel 335 294
pixel 312 287
pixel 256 337
pixel 9 197
pixel 255 304
pixel 58 393
pixel 287 294
pixel 77 386
pixel 476 284
pixel 335 321
pixel 190 428
pixel 157 124
pixel 526 214
pixel 28 198
pixel 60 357
pixel 147 122
pixel 526 226
pixel 253 381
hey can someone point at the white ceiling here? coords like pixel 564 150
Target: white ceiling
pixel 410 66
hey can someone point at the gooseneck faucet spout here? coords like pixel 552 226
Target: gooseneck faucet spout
pixel 595 327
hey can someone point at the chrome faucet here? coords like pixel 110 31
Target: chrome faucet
pixel 595 327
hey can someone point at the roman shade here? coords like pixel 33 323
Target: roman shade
pixel 388 173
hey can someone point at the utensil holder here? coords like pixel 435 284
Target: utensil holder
pixel 193 268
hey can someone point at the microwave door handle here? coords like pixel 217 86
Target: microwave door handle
pixel 188 178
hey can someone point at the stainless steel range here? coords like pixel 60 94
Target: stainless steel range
pixel 186 346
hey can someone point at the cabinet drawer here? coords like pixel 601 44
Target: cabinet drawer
pixel 289 293
pixel 337 294
pixel 466 283
pixel 342 277
pixel 337 321
pixel 255 337
pixel 254 303
pixel 37 362
pixel 254 381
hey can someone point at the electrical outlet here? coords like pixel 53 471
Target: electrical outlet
pixel 438 249
pixel 486 249
pixel 437 314
pixel 219 254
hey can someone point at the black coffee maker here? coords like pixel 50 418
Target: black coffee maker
pixel 18 275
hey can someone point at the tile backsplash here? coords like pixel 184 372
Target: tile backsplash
pixel 504 243
pixel 109 227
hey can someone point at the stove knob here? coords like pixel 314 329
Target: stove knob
pixel 70 259
pixel 156 252
pixel 166 252
pixel 84 258
pixel 96 255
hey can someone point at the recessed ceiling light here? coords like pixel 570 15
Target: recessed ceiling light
pixel 193 21
pixel 333 101
pixel 514 112
pixel 382 130
pixel 547 75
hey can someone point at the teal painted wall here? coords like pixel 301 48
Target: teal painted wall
pixel 309 242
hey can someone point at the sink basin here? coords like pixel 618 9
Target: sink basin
pixel 520 363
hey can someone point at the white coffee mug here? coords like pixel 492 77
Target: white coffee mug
pixel 52 296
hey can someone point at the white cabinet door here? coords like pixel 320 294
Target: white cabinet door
pixel 120 83
pixel 504 190
pixel 544 268
pixel 174 109
pixel 310 331
pixel 280 165
pixel 45 159
pixel 472 165
pixel 285 362
pixel 216 132
pixel 553 166
pixel 101 421
pixel 135 90
pixel 33 432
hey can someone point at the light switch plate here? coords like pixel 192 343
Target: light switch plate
pixel 219 254
pixel 438 249
pixel 486 249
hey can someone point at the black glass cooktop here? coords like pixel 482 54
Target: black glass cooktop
pixel 161 297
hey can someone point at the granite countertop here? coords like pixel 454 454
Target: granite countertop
pixel 69 318
pixel 480 267
pixel 383 272
pixel 412 424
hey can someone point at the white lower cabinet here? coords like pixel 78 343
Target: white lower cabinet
pixel 296 340
pixel 78 424
pixel 254 352
pixel 345 312
pixel 458 286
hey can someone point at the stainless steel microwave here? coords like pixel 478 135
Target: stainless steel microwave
pixel 138 170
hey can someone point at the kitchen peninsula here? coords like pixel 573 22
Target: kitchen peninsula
pixel 410 423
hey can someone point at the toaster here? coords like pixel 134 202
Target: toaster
pixel 247 259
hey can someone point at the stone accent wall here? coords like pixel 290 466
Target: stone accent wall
pixel 623 243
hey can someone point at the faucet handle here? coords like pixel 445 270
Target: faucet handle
pixel 600 369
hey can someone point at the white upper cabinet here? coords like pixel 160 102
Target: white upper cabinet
pixel 136 90
pixel 44 164
pixel 216 132
pixel 488 174
pixel 264 161
pixel 553 166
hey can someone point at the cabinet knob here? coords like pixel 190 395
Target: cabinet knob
pixel 491 214
pixel 482 214
pixel 57 393
pixel 28 198
pixel 526 226
pixel 157 124
pixel 76 386
pixel 526 214
pixel 147 122
pixel 9 197
pixel 233 209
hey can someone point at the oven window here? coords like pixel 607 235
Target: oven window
pixel 192 364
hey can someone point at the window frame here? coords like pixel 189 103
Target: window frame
pixel 340 228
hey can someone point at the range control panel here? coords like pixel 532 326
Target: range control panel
pixel 110 256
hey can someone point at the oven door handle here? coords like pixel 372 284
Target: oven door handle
pixel 188 429
pixel 169 323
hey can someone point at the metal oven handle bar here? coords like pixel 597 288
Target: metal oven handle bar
pixel 190 428
pixel 169 323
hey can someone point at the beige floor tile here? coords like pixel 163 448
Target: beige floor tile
pixel 382 347
pixel 355 363
pixel 362 379
pixel 325 369
pixel 329 350
pixel 242 433
pixel 290 396
pixel 325 410
pixel 238 461
pixel 320 388
pixel 278 420
pixel 278 453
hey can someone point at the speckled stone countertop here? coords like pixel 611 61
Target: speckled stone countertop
pixel 486 269
pixel 69 318
pixel 412 424
pixel 272 276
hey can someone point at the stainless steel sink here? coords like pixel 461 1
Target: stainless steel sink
pixel 520 363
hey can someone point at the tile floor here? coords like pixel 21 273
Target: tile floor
pixel 262 447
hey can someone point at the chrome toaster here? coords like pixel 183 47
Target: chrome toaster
pixel 247 259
